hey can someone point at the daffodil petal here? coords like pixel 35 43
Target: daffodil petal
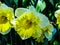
pixel 20 11
pixel 43 18
pixel 31 8
pixel 51 31
pixel 3 6
pixel 57 13
pixel 4 33
pixel 48 36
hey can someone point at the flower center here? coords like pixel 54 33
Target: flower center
pixel 3 19
pixel 28 24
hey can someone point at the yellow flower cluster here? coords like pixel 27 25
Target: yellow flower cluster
pixel 30 23
pixel 6 16
pixel 57 15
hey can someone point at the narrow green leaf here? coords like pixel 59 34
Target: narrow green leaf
pixel 52 2
pixel 32 2
pixel 32 43
pixel 40 6
pixel 16 2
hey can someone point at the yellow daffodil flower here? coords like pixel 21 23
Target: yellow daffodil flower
pixel 27 24
pixel 6 16
pixel 57 15
pixel 30 23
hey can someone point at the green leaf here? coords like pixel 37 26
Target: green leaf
pixel 40 6
pixel 26 3
pixel 57 5
pixel 16 2
pixel 50 14
pixel 52 2
pixel 32 43
pixel 8 3
pixel 55 43
pixel 52 17
pixel 32 2
pixel 8 44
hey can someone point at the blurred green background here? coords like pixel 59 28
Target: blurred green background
pixel 47 7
